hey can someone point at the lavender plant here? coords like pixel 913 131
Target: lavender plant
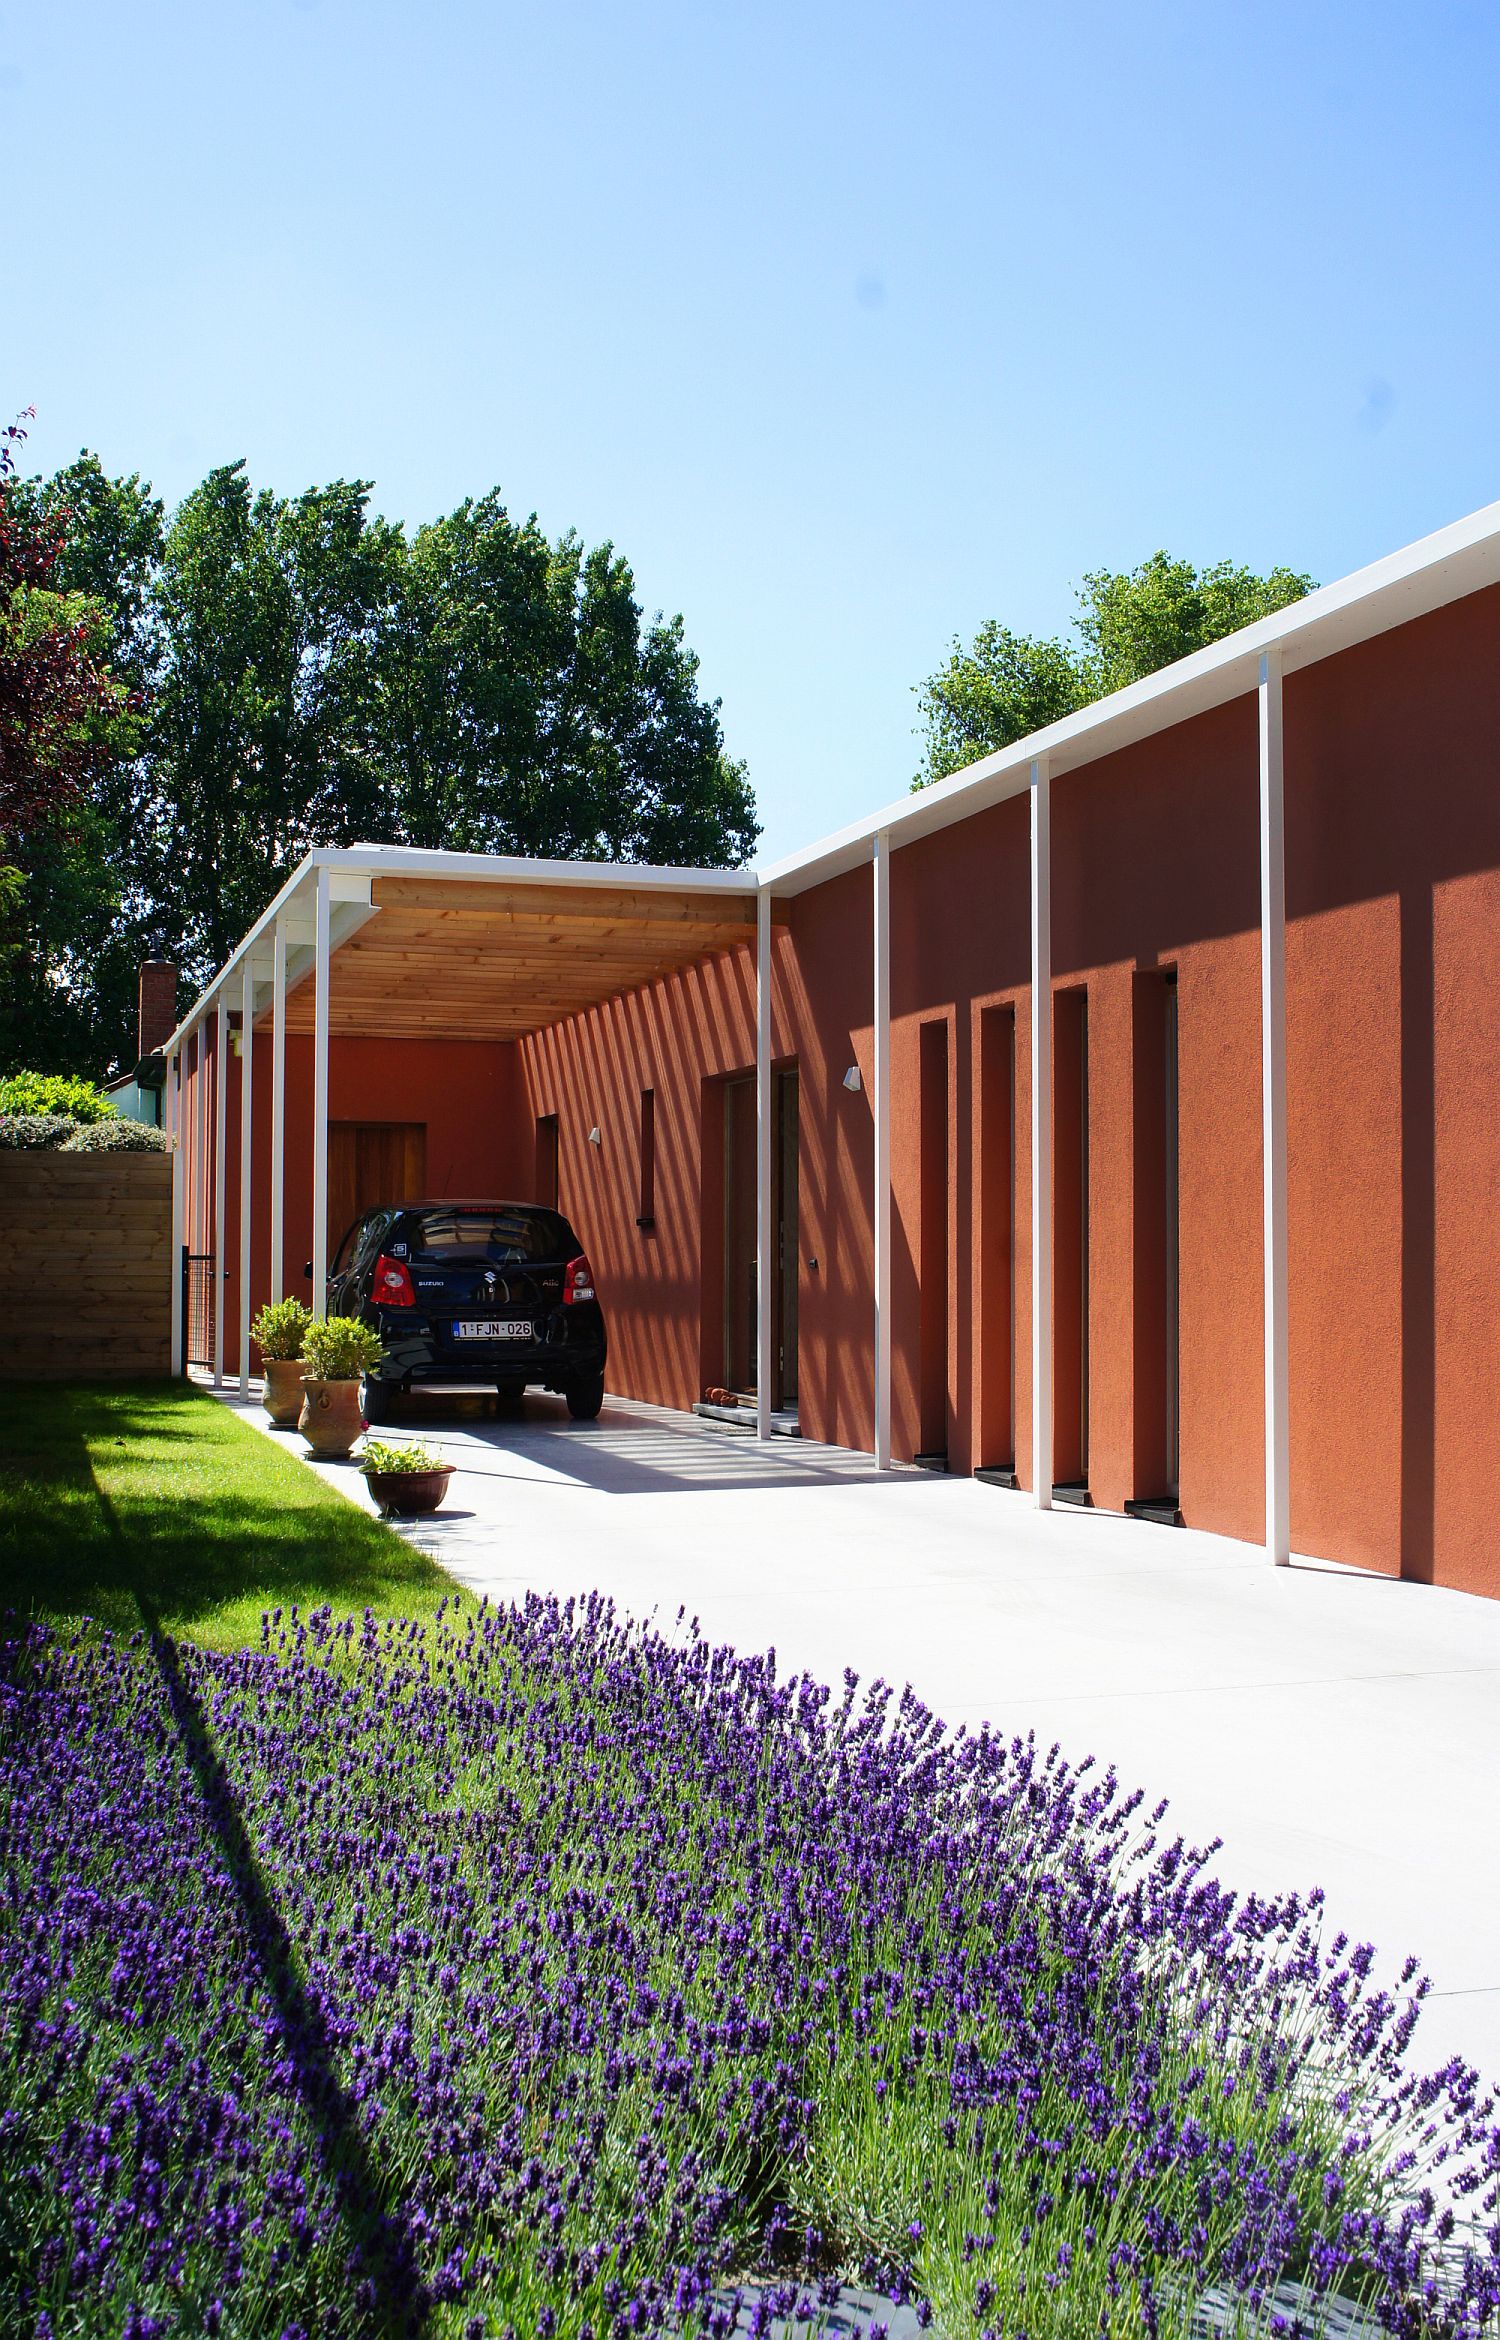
pixel 540 1973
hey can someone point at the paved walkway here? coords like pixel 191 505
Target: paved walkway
pixel 1334 1728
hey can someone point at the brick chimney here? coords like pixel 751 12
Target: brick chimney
pixel 158 1005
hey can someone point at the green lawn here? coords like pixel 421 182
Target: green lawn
pixel 150 1502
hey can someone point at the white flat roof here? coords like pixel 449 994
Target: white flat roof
pixel 1444 567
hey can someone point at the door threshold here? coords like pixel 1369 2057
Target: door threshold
pixel 783 1422
pixel 1160 1508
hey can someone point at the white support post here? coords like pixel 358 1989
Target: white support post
pixel 179 1200
pixel 1273 1106
pixel 247 1068
pixel 278 1112
pixel 766 1265
pixel 198 1230
pixel 881 1103
pixel 320 1105
pixel 221 1104
pixel 1041 1134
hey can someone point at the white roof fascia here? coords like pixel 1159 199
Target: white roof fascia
pixel 1441 568
pixel 370 861
pixel 517 869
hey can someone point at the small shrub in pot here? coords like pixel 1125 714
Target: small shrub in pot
pixel 410 1479
pixel 336 1353
pixel 279 1332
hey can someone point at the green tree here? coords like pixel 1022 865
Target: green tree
pixel 525 707
pixel 259 744
pixel 305 675
pixel 1130 623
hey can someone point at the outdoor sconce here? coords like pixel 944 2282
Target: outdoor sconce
pixel 852 1079
pixel 596 1136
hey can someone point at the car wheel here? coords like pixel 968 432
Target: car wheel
pixel 585 1397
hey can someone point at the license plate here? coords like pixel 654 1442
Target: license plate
pixel 495 1328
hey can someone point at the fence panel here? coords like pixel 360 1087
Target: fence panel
pixel 88 1265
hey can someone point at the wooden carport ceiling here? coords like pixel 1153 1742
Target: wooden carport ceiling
pixel 445 958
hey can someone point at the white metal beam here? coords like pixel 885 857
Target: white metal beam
pixel 247 1067
pixel 179 1202
pixel 1273 1106
pixel 766 1265
pixel 881 1103
pixel 1041 1133
pixel 221 1103
pixel 320 1106
pixel 278 1112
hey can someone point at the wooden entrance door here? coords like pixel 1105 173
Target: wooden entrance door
pixel 369 1163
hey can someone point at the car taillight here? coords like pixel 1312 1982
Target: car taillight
pixel 390 1286
pixel 578 1281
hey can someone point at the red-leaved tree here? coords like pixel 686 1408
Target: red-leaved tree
pixel 57 697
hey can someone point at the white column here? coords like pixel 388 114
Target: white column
pixel 198 1235
pixel 766 1264
pixel 881 1104
pixel 1041 1134
pixel 1273 1106
pixel 179 1200
pixel 278 1112
pixel 221 1103
pixel 320 1105
pixel 247 1068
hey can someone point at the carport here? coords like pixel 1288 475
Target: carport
pixel 392 944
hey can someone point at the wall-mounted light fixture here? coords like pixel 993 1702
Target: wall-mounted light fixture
pixel 596 1136
pixel 852 1079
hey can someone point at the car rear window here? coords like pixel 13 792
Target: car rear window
pixel 456 1236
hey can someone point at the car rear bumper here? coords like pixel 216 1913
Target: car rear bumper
pixel 571 1348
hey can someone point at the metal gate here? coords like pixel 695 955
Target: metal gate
pixel 199 1301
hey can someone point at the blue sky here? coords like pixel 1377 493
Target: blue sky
pixel 850 325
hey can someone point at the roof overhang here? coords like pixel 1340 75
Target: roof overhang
pixel 477 946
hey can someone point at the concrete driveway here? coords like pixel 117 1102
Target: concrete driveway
pixel 1334 1728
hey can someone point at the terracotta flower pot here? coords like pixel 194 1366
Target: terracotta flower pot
pixel 283 1398
pixel 331 1418
pixel 410 1494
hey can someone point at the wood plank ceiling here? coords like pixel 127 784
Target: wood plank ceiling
pixel 467 959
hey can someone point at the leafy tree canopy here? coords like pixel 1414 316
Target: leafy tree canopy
pixel 307 673
pixel 1006 685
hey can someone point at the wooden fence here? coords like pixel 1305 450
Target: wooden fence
pixel 88 1265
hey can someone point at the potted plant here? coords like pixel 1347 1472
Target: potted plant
pixel 335 1355
pixel 411 1479
pixel 278 1332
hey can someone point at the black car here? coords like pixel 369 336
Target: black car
pixel 499 1294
